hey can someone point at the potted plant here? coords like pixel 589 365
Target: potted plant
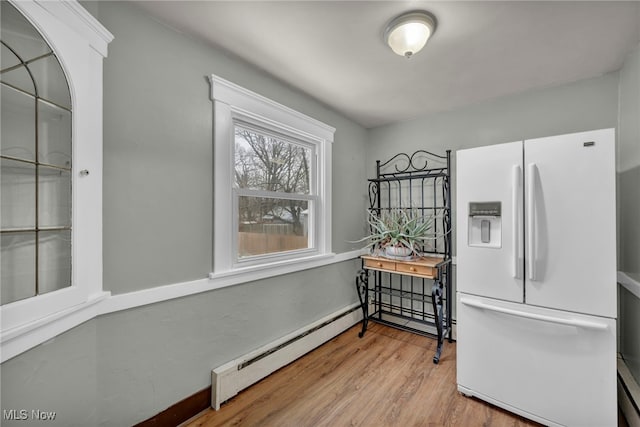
pixel 398 233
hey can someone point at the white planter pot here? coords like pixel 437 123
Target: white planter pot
pixel 397 252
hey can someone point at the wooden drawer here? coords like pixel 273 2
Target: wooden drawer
pixel 379 264
pixel 417 270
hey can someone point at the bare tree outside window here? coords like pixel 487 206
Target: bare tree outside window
pixel 273 178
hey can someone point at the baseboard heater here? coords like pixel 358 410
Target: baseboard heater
pixel 628 394
pixel 232 377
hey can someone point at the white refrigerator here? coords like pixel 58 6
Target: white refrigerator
pixel 536 277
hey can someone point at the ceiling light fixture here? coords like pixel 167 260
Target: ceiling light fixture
pixel 407 34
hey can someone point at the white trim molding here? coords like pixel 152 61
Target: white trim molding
pixel 254 104
pixel 217 281
pixel 20 339
pixel 80 44
pixel 82 22
pixel 24 337
pixel 233 103
pixel 631 283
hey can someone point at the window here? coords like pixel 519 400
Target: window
pixel 272 181
pixel 273 192
pixel 51 170
pixel 35 220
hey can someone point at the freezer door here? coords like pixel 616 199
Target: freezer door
pixel 489 247
pixel 554 367
pixel 570 222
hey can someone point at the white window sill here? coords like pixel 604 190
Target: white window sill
pixel 256 272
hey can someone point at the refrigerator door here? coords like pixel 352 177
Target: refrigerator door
pixel 488 221
pixel 554 367
pixel 570 222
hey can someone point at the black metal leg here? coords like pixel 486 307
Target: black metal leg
pixel 362 286
pixel 436 300
pixel 450 299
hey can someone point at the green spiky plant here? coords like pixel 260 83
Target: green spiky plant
pixel 399 227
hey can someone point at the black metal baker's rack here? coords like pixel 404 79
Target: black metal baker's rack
pixel 420 181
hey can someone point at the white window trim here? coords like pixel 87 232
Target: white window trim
pixel 232 102
pixel 80 43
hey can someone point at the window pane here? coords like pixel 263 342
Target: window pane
pixel 7 58
pixel 54 197
pixel 18 197
pixel 18 130
pixel 54 135
pixel 18 260
pixel 271 225
pixel 18 33
pixel 51 81
pixel 54 260
pixel 263 162
pixel 20 78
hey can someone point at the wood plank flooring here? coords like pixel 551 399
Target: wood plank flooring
pixel 387 378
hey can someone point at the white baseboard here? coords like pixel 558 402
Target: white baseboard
pixel 628 394
pixel 232 377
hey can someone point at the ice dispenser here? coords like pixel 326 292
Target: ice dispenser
pixel 485 224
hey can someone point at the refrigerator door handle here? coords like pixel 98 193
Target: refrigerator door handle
pixel 531 224
pixel 533 316
pixel 515 223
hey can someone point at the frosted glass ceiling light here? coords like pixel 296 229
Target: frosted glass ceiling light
pixel 409 32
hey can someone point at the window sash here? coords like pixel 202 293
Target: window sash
pixel 274 194
pixel 280 134
pixel 312 227
pixel 284 136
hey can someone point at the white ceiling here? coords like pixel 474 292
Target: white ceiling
pixel 333 50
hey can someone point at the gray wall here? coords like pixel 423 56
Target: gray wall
pixel 152 357
pixel 629 208
pixel 158 151
pixel 124 367
pixel 584 105
pixel 60 375
pixel 612 100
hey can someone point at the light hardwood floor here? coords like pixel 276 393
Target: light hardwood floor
pixel 387 378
